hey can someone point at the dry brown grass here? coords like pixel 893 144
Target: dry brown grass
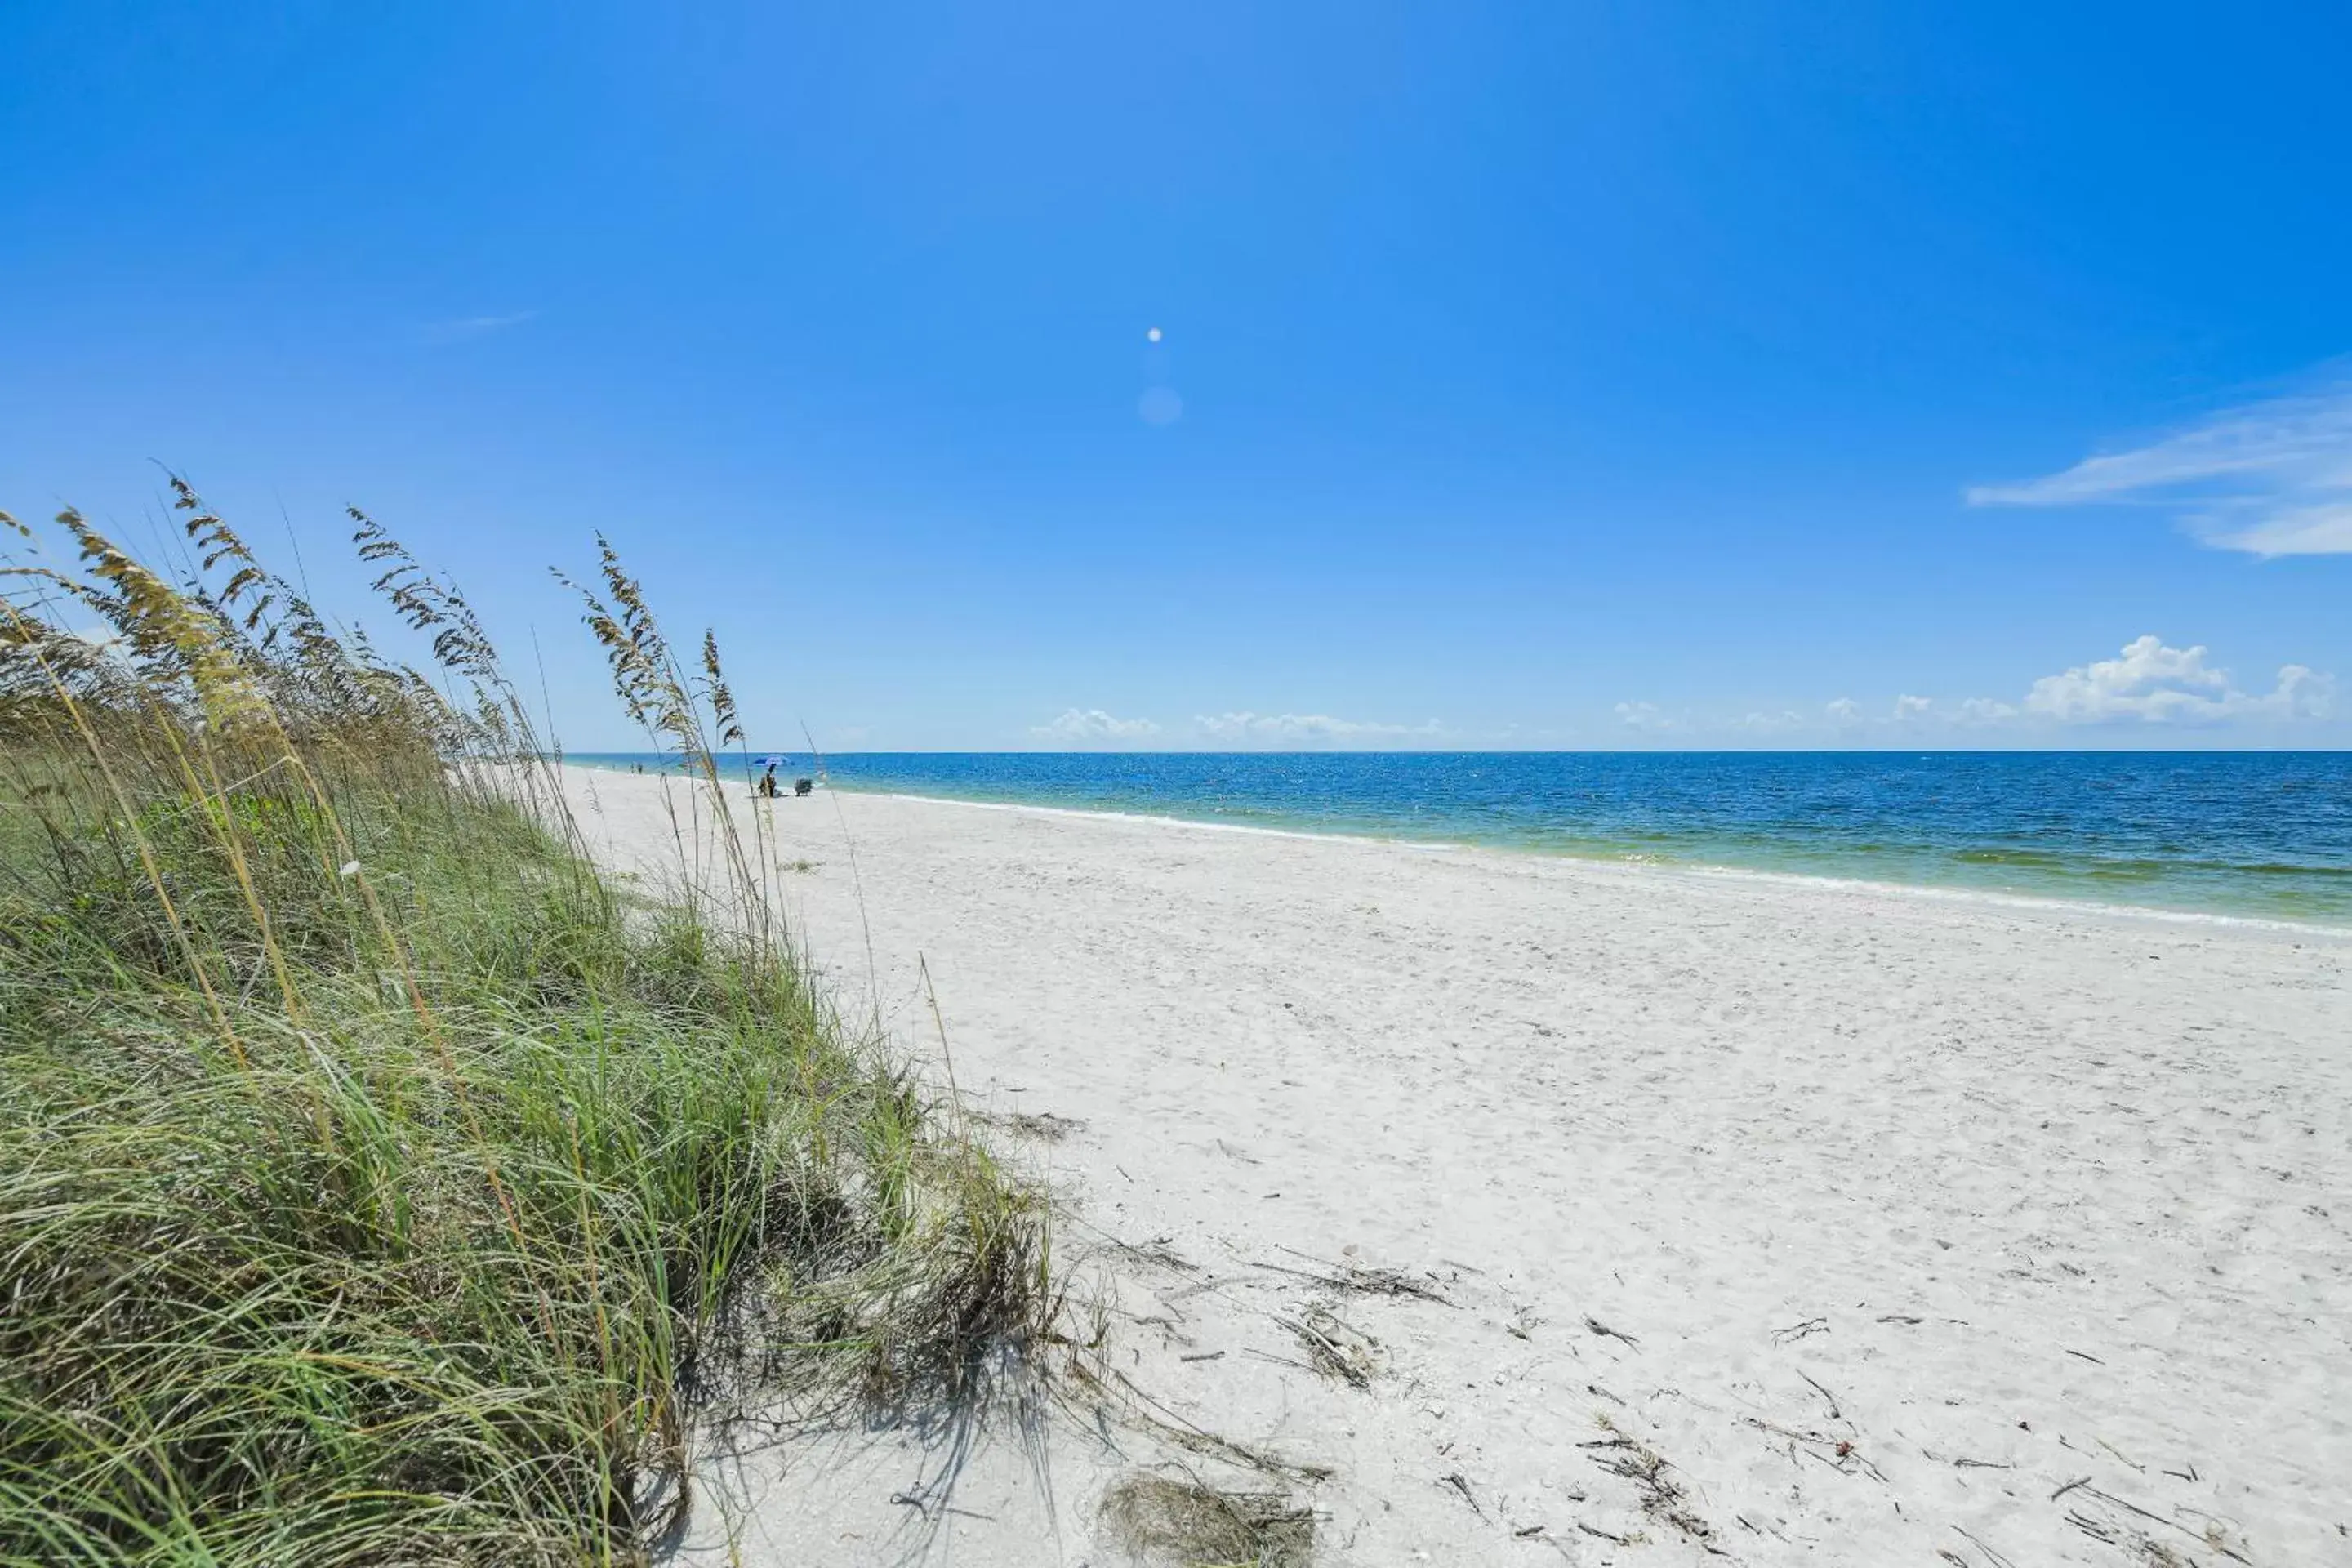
pixel 1335 1347
pixel 1163 1522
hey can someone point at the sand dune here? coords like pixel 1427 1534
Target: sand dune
pixel 1764 1220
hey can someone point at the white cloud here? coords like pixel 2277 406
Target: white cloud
pixel 1646 717
pixel 1769 723
pixel 2325 529
pixel 2272 477
pixel 1092 724
pixel 2148 685
pixel 2152 683
pixel 2304 693
pixel 1306 728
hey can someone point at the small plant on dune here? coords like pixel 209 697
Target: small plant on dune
pixel 1170 1523
pixel 374 1186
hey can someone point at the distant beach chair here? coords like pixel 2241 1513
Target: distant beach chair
pixel 803 786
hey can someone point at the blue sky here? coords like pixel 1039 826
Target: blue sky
pixel 1545 374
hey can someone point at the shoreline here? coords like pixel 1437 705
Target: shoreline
pixel 1999 897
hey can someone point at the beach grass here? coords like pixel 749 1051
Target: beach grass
pixel 1184 1522
pixel 378 1184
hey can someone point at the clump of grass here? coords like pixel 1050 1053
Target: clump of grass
pixel 1335 1347
pixel 374 1186
pixel 1163 1522
pixel 1043 1126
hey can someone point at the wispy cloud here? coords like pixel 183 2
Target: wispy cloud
pixel 1764 723
pixel 1093 726
pixel 1646 718
pixel 465 327
pixel 1307 730
pixel 2272 477
pixel 1983 710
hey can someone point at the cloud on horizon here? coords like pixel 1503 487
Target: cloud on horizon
pixel 1307 729
pixel 2272 477
pixel 2150 683
pixel 1239 730
pixel 1648 717
pixel 1764 723
pixel 1092 724
pixel 2148 686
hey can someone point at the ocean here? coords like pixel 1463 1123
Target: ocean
pixel 2260 834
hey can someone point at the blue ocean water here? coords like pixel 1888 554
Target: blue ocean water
pixel 2266 834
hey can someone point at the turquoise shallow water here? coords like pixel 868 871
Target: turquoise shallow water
pixel 2262 834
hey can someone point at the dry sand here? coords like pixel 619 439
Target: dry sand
pixel 1773 1220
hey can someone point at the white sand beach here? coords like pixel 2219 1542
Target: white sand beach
pixel 1770 1221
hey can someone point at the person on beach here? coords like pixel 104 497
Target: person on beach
pixel 767 783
